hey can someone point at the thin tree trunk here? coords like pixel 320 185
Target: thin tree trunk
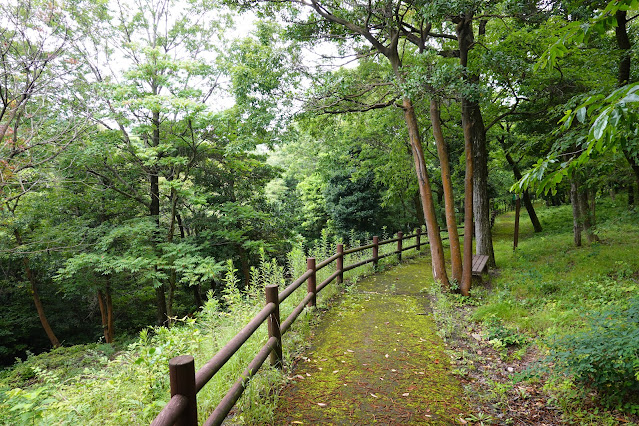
pixel 197 295
pixel 244 265
pixel 169 239
pixel 154 212
pixel 526 195
pixel 576 214
pixel 106 312
pixel 586 215
pixel 103 315
pixel 432 228
pixel 109 306
pixel 36 297
pixel 449 199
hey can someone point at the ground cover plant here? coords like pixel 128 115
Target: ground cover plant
pixel 128 384
pixel 553 335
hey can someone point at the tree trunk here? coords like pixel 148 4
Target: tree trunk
pixel 103 316
pixel 467 272
pixel 449 199
pixel 169 239
pixel 623 77
pixel 623 43
pixel 36 297
pixel 432 228
pixel 586 215
pixel 109 306
pixel 526 195
pixel 154 212
pixel 197 296
pixel 471 113
pixel 106 312
pixel 576 214
pixel 244 265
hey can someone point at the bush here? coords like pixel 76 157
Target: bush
pixel 604 356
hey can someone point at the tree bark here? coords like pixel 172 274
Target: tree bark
pixel 471 113
pixel 576 213
pixel 432 228
pixel 109 306
pixel 36 297
pixel 106 312
pixel 467 272
pixel 585 212
pixel 449 199
pixel 103 316
pixel 623 77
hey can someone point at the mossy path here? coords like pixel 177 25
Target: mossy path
pixel 376 359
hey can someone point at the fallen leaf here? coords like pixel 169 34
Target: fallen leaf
pixel 386 355
pixel 374 396
pixel 295 422
pixel 308 375
pixel 348 350
pixel 336 371
pixel 406 394
pixel 321 404
pixel 462 421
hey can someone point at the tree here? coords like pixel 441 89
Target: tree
pixel 38 118
pixel 380 26
pixel 159 106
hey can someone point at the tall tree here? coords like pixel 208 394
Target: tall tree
pixel 159 104
pixel 379 25
pixel 37 116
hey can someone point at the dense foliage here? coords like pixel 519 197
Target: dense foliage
pixel 149 148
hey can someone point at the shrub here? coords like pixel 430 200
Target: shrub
pixel 604 356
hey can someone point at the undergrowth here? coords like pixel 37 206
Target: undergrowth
pixel 576 304
pixel 128 385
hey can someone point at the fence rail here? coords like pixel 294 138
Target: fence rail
pixel 186 383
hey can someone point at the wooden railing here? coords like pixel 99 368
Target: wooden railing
pixel 186 383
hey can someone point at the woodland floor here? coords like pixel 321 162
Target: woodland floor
pixel 376 359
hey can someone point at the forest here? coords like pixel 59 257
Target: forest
pixel 162 159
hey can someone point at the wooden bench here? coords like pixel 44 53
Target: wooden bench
pixel 480 264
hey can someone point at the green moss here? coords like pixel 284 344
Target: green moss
pixel 377 358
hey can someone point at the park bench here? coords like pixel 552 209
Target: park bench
pixel 480 265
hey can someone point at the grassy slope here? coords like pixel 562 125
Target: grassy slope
pixel 549 288
pixel 547 284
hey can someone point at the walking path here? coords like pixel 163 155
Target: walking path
pixel 376 359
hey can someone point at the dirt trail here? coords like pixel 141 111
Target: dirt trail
pixel 376 359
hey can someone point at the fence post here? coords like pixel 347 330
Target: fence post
pixel 418 238
pixel 375 252
pixel 311 284
pixel 182 377
pixel 340 263
pixel 274 325
pixel 400 235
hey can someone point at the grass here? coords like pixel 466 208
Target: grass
pixel 129 384
pixel 548 288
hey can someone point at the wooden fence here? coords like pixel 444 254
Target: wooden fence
pixel 186 383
